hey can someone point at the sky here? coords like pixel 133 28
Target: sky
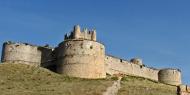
pixel 156 31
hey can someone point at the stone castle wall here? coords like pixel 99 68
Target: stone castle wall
pixel 81 58
pixel 119 66
pixel 25 53
pixel 85 59
pixel 80 55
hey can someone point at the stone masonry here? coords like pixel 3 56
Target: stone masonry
pixel 81 55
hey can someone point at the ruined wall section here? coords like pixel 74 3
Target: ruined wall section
pixel 25 53
pixel 46 56
pixel 52 59
pixel 116 66
pixel 170 76
pixel 81 58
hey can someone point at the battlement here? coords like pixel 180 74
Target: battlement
pixel 27 44
pixel 78 34
pixel 18 44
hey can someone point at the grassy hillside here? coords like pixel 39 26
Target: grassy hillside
pixel 19 79
pixel 140 86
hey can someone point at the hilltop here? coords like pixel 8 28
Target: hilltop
pixel 21 79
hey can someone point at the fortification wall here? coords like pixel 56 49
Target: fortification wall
pixel 170 76
pixel 116 66
pixel 25 53
pixel 81 58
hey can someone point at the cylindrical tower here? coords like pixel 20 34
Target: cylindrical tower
pixel 21 53
pixel 170 76
pixel 81 58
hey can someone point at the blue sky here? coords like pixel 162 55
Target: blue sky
pixel 155 30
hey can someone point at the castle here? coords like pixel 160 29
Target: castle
pixel 81 55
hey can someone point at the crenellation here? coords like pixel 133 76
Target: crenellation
pixel 84 35
pixel 18 44
pixel 65 37
pixel 77 32
pixel 93 35
pixel 85 31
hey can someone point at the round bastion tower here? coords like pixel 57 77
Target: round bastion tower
pixel 21 53
pixel 170 76
pixel 25 53
pixel 80 55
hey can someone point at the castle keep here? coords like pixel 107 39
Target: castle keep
pixel 81 55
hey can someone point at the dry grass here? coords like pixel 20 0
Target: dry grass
pixel 20 79
pixel 140 86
